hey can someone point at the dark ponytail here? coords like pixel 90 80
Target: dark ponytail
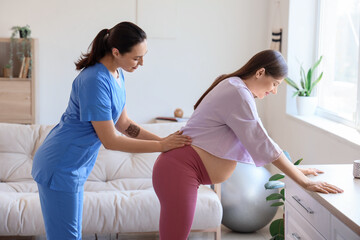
pixel 123 37
pixel 273 62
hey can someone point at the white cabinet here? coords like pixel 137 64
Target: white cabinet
pixel 309 216
pixel 297 227
pixel 340 231
pixel 315 214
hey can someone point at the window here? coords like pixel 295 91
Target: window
pixel 339 90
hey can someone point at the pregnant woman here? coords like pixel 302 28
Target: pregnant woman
pixel 225 129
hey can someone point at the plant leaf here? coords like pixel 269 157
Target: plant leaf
pixel 317 63
pixel 276 177
pixel 316 81
pixel 277 204
pixel 295 93
pixel 277 227
pixel 302 77
pixel 275 196
pixel 308 80
pixel 274 184
pixel 291 83
pixel 278 237
pixel 298 161
pixel 302 83
pixel 282 192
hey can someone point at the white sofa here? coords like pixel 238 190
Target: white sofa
pixel 118 198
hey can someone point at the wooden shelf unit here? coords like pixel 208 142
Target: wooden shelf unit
pixel 17 95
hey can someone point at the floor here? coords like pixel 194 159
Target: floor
pixel 226 234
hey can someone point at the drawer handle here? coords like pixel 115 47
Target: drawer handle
pixel 295 236
pixel 298 200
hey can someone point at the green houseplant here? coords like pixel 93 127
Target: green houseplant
pixel 24 32
pixel 277 226
pixel 305 102
pixel 22 47
pixel 7 70
pixel 307 82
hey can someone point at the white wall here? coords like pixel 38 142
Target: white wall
pixel 300 139
pixel 212 37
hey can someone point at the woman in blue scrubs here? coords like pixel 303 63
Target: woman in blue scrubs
pixel 95 112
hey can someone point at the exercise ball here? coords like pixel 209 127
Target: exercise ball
pixel 243 197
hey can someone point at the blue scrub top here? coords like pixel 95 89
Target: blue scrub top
pixel 65 159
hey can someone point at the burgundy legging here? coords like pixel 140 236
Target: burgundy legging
pixel 177 175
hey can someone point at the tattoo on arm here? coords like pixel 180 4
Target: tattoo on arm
pixel 132 131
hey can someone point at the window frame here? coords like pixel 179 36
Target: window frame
pixel 324 113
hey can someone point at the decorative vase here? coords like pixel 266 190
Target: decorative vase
pixel 306 105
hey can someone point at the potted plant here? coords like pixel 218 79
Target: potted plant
pixel 21 48
pixel 277 226
pixel 7 70
pixel 24 32
pixel 305 102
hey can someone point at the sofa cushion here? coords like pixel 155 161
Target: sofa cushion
pixel 18 144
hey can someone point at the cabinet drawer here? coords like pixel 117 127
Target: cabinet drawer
pixel 15 101
pixel 297 228
pixel 310 209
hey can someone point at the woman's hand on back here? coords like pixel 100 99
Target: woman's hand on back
pixel 175 140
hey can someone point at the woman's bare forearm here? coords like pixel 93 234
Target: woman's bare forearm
pixel 135 131
pixel 291 170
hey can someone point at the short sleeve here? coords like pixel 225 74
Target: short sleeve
pixel 95 99
pixel 247 126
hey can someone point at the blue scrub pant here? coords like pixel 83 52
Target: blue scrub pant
pixel 62 213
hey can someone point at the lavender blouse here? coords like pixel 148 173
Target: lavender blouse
pixel 226 124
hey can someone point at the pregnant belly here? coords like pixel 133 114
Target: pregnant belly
pixel 219 169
